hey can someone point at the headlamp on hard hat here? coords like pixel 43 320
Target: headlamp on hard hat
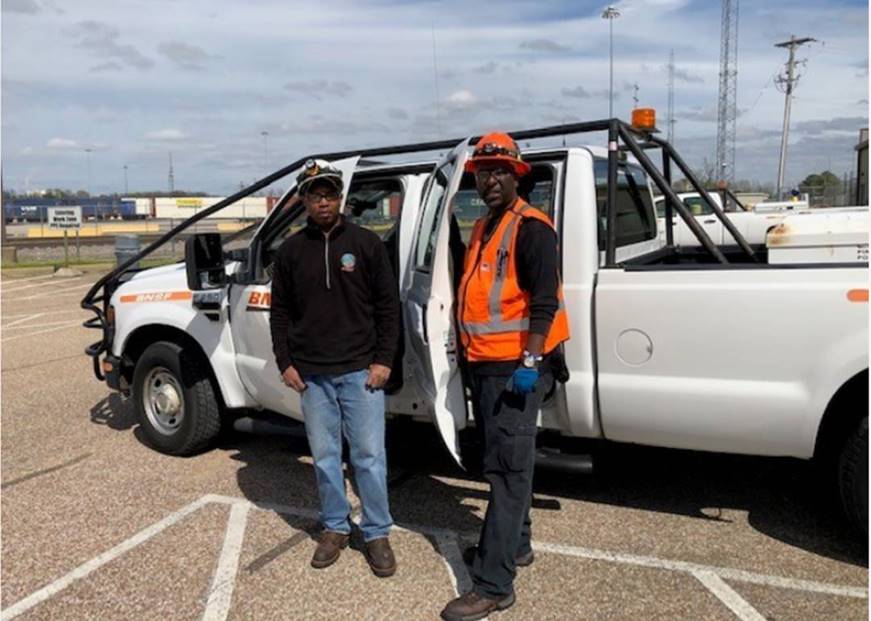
pixel 495 149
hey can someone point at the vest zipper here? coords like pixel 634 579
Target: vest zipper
pixel 327 258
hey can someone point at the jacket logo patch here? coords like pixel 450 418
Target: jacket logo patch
pixel 349 262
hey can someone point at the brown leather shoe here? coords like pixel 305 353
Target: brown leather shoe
pixel 473 606
pixel 380 557
pixel 329 548
pixel 522 560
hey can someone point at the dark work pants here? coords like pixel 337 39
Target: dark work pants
pixel 508 423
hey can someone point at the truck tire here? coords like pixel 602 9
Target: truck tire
pixel 853 476
pixel 175 400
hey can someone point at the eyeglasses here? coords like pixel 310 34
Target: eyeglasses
pixel 497 173
pixel 317 197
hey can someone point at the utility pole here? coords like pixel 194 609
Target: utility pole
pixel 727 109
pixel 671 98
pixel 125 180
pixel 635 95
pixel 787 83
pixel 171 175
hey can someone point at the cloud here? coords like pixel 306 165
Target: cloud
pixel 449 74
pixel 543 45
pixel 62 144
pixel 827 126
pixel 184 56
pixel 397 114
pixel 487 68
pixel 319 88
pixel 168 135
pixel 102 39
pixel 109 66
pixel 579 92
pixel 29 7
pixel 698 113
pixel 685 76
pixel 461 100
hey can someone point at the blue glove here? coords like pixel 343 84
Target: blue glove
pixel 523 380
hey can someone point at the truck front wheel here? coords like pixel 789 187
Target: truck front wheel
pixel 175 401
pixel 853 475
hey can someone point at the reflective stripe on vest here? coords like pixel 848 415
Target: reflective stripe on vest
pixel 494 320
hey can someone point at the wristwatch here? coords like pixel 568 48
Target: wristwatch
pixel 530 361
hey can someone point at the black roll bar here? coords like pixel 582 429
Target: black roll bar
pixel 669 209
pixel 670 195
pixel 739 239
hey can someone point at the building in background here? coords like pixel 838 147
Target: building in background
pixel 862 168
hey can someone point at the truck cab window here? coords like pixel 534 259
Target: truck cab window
pixel 636 220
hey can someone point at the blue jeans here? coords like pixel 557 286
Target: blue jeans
pixel 331 405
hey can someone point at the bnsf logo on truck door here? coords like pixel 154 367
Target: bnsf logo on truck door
pixel 259 300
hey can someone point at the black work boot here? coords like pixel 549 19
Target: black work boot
pixel 473 606
pixel 380 557
pixel 329 548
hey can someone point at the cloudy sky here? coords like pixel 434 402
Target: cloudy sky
pixel 134 80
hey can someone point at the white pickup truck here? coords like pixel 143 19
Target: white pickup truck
pixel 658 354
pixel 754 225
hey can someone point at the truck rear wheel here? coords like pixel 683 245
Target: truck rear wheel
pixel 853 476
pixel 175 401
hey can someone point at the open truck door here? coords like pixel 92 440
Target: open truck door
pixel 252 338
pixel 429 303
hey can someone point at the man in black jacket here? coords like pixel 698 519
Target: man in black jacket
pixel 335 327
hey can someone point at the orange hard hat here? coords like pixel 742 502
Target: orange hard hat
pixel 498 148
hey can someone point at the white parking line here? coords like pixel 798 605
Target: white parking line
pixel 52 312
pixel 14 325
pixel 22 320
pixel 728 596
pixel 224 581
pixel 39 284
pixel 737 575
pixel 37 333
pixel 95 563
pixel 220 596
pixel 13 281
pixel 53 293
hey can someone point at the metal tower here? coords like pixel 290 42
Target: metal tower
pixel 727 109
pixel 171 176
pixel 671 98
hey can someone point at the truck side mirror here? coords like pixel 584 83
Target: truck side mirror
pixel 204 261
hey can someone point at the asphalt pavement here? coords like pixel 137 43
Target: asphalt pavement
pixel 97 525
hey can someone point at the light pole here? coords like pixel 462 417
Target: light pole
pixel 611 14
pixel 125 180
pixel 265 135
pixel 88 188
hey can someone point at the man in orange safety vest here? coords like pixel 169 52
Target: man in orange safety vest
pixel 511 321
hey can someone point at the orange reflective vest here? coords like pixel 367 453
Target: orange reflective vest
pixel 493 311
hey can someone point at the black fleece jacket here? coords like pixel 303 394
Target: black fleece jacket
pixel 335 302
